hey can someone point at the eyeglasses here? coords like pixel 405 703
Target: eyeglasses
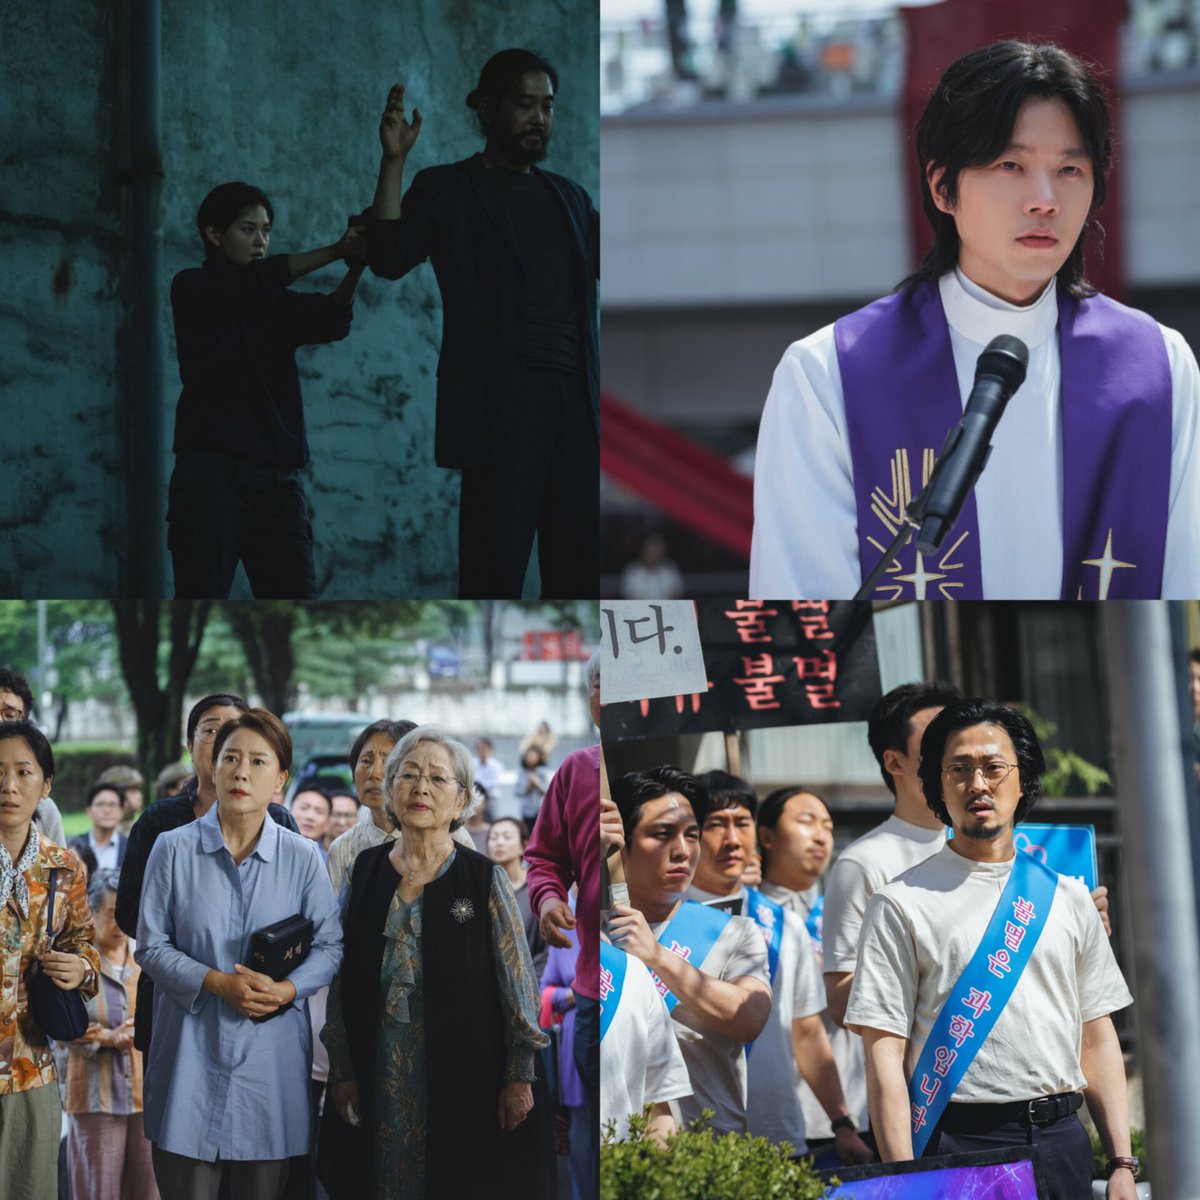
pixel 437 782
pixel 962 775
pixel 12 714
pixel 206 733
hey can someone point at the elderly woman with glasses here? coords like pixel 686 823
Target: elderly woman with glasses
pixel 432 1028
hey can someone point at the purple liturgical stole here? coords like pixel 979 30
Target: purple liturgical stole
pixel 901 394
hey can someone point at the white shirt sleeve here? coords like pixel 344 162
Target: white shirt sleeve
pixel 1181 565
pixel 666 1074
pixel 846 895
pixel 884 992
pixel 805 540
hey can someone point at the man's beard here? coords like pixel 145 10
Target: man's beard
pixel 981 834
pixel 526 153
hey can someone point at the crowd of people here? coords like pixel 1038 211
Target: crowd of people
pixel 327 994
pixel 942 994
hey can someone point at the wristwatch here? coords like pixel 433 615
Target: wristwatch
pixel 1115 1164
pixel 846 1122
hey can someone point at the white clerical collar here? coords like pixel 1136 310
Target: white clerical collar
pixel 979 316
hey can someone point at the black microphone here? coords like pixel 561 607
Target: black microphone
pixel 999 372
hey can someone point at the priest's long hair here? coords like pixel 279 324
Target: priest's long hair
pixel 968 121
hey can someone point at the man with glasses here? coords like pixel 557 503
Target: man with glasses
pixel 105 806
pixel 198 796
pixel 977 970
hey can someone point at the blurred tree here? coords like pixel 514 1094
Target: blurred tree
pixel 153 642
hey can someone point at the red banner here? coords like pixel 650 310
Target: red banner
pixel 693 485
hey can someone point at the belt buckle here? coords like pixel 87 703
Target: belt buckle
pixel 1055 1109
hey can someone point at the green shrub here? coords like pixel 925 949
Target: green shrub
pixel 1137 1139
pixel 695 1164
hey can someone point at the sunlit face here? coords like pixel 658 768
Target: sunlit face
pixel 368 770
pixel 22 786
pixel 727 844
pixel 247 773
pixel 201 745
pixel 344 815
pixel 978 810
pixel 1020 216
pixel 504 842
pixel 520 124
pixel 802 837
pixel 311 811
pixel 664 849
pixel 425 792
pixel 12 707
pixel 246 239
pixel 106 810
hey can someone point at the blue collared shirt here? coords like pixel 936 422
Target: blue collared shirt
pixel 217 1083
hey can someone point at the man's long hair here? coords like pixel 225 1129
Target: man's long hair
pixel 968 121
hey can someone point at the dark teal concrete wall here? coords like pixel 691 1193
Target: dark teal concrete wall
pixel 287 96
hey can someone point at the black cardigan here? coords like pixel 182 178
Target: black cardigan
pixel 466 1154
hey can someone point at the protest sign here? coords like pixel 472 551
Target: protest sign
pixel 650 649
pixel 767 663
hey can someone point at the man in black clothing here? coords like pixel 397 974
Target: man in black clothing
pixel 240 442
pixel 198 796
pixel 516 253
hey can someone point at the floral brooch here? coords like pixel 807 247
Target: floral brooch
pixel 462 910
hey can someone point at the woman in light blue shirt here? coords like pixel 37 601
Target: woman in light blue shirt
pixel 219 1087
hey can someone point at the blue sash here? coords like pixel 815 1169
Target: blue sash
pixel 815 924
pixel 691 933
pixel 612 979
pixel 978 998
pixel 768 916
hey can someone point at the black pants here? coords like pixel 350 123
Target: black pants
pixel 222 510
pixel 1064 1152
pixel 547 481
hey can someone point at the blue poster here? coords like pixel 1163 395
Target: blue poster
pixel 1067 849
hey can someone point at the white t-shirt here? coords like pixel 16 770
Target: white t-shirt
pixel 923 928
pixel 717 1064
pixel 846 1046
pixel 489 775
pixel 803 465
pixel 773 1108
pixel 640 1062
pixel 859 872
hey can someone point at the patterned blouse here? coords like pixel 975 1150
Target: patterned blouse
pixel 101 1079
pixel 26 1061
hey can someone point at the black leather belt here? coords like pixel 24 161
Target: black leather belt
pixel 1043 1111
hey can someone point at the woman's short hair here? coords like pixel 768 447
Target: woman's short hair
pixel 101 883
pixel 221 207
pixel 968 121
pixel 460 761
pixel 502 73
pixel 35 739
pixel 267 725
pixel 1031 765
pixel 393 729
pixel 592 669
